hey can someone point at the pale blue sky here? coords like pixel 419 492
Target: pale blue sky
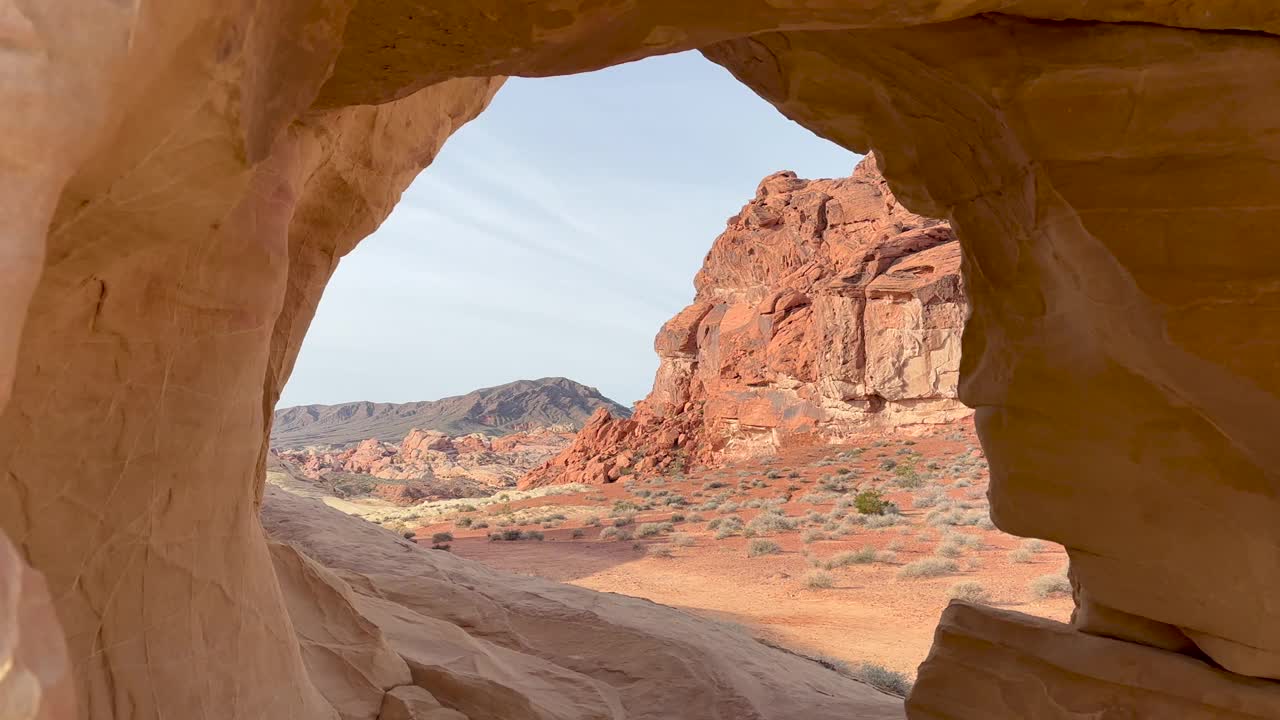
pixel 553 235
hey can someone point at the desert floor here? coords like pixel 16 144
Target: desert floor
pixel 676 542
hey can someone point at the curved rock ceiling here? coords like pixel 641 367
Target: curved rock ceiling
pixel 1110 169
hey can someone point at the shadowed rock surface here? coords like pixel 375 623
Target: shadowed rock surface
pixel 180 180
pixel 519 405
pixel 825 310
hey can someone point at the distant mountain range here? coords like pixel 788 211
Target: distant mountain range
pixel 518 405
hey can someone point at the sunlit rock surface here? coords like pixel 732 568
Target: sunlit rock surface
pixel 824 311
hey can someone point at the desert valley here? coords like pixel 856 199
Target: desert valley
pixel 801 468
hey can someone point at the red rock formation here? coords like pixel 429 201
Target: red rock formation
pixel 824 310
pixel 431 455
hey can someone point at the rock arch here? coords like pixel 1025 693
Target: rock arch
pixel 180 183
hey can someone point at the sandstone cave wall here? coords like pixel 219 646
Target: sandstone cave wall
pixel 179 182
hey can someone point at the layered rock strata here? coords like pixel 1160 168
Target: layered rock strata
pixel 824 310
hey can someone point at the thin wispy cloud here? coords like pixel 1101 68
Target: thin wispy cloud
pixel 553 236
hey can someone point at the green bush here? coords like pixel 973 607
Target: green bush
pixel 442 537
pixel 578 533
pixel 869 502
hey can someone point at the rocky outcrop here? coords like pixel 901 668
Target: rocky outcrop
pixel 181 181
pixel 1078 675
pixel 428 464
pixel 495 646
pixel 826 309
pixel 500 410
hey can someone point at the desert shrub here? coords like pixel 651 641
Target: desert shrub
pixel 888 464
pixel 773 474
pixel 651 529
pixel 961 483
pixel 730 526
pixel 1033 545
pixel 1020 555
pixel 533 535
pixel 969 591
pixel 714 523
pixel 753 503
pixel 479 525
pixel 677 517
pixel 895 545
pixel 949 549
pixel 661 551
pixel 623 520
pixel 809 536
pixel 578 533
pixel 615 533
pixel 695 517
pixel 816 498
pixel 876 522
pixel 442 537
pixel 869 502
pixel 883 678
pixel 1049 585
pixel 729 507
pixel 642 493
pixel 929 498
pixel 793 474
pixel 865 556
pixel 760 546
pixel 713 484
pixel 819 580
pixel 463 522
pixel 969 541
pixel 509 535
pixel 771 522
pixel 906 476
pixel 928 567
pixel 682 540
pixel 591 521
pixel 709 505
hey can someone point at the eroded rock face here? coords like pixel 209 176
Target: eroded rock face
pixel 430 464
pixel 180 182
pixel 825 309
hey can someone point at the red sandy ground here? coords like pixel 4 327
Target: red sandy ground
pixel 869 615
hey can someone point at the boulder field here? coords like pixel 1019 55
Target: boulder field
pixel 825 310
pixel 180 179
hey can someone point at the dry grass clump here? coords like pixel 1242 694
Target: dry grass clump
pixel 819 580
pixel 928 568
pixel 969 591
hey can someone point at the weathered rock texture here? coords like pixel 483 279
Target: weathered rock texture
pixel 429 464
pixel 825 309
pixel 500 410
pixel 496 646
pixel 180 179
